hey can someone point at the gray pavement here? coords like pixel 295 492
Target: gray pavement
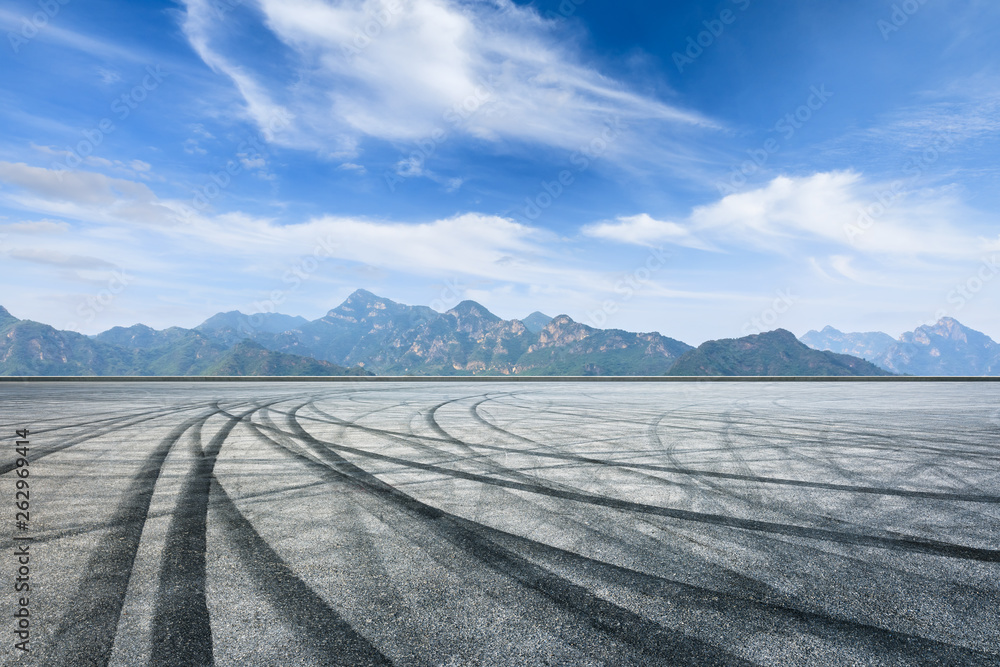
pixel 506 523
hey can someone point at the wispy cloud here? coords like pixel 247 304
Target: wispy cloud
pixel 399 70
pixel 78 41
pixel 642 229
pixel 57 259
pixel 170 247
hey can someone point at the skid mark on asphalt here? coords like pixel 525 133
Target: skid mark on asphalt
pixel 39 452
pixel 896 543
pixel 86 632
pixel 677 468
pixel 766 611
pixel 182 631
pixel 645 638
pixel 598 603
pixel 329 636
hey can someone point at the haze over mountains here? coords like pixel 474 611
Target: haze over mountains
pixel 368 334
pixel 946 348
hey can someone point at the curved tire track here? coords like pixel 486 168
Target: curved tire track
pixel 86 632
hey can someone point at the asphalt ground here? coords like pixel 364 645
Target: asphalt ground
pixel 505 524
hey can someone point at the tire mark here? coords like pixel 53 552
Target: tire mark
pixel 757 613
pixel 86 632
pixel 124 422
pixel 647 639
pixel 682 470
pixel 677 468
pixel 324 629
pixel 182 630
pixel 116 417
pixel 896 543
pixel 329 635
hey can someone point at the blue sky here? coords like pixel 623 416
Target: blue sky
pixel 702 169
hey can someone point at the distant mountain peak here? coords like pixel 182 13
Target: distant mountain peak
pixel 469 308
pixel 266 322
pixel 361 302
pixel 562 330
pixel 134 329
pixel 949 326
pixel 776 334
pixel 947 329
pixel 946 347
pixel 536 321
pixel 6 318
pixel 363 296
pixel 560 321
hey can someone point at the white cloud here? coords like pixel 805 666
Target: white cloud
pixel 36 227
pixel 964 109
pixel 124 210
pixel 174 252
pixel 108 76
pixel 350 166
pixel 644 230
pixel 83 195
pixel 399 70
pixel 51 258
pixel 74 40
pixel 192 147
pixel 839 209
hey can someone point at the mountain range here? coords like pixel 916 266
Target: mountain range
pixel 368 334
pixel 31 348
pixel 946 348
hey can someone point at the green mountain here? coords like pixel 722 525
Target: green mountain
pixel 29 348
pixel 141 337
pixel 369 334
pixel 6 318
pixel 565 347
pixel 248 359
pixel 773 353
pixel 32 348
pixel 390 338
